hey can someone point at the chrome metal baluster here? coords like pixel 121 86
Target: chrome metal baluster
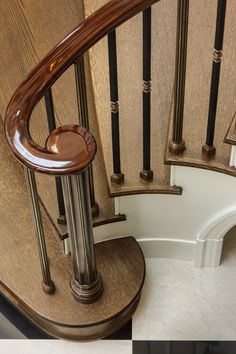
pixel 177 144
pixel 82 103
pixel 86 282
pixel 47 283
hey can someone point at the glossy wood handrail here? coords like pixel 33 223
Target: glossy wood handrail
pixel 41 78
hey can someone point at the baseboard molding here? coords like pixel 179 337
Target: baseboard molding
pixel 203 253
pixel 167 248
pixel 208 253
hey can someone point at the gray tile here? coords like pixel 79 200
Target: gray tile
pixel 65 347
pixel 180 302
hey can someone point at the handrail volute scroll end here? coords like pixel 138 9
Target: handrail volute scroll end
pixel 75 146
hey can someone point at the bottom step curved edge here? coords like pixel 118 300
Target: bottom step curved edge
pixel 129 267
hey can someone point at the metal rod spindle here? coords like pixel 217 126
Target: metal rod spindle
pixel 82 103
pixel 209 149
pixel 146 172
pixel 177 144
pixel 47 283
pixel 52 126
pixel 86 282
pixel 117 176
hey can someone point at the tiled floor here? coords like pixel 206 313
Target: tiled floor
pixel 179 302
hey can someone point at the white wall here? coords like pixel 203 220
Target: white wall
pixel 208 200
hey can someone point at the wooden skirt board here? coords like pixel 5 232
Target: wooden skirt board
pixel 122 266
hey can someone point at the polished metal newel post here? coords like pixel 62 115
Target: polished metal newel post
pixel 47 283
pixel 82 104
pixel 177 144
pixel 52 126
pixel 146 172
pixel 117 176
pixel 208 148
pixel 86 282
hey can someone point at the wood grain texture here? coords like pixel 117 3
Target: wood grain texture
pixel 197 161
pixel 48 70
pixel 28 24
pixel 129 51
pixel 122 267
pixel 198 78
pixel 199 64
pixel 230 136
pixel 20 274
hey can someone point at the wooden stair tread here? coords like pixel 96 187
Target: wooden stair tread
pixel 199 66
pixel 144 187
pixel 31 44
pixel 197 89
pixel 20 275
pixel 27 290
pixel 130 98
pixel 193 157
pixel 230 137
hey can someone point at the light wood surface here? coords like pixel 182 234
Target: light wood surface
pixel 129 49
pixel 20 274
pixel 199 64
pixel 27 34
pixel 230 136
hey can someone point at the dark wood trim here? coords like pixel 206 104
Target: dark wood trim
pixel 230 136
pixel 148 189
pixel 203 164
pixel 128 273
pixel 42 77
pixel 112 219
pixel 74 143
pixel 61 229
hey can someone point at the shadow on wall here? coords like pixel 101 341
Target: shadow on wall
pixel 229 247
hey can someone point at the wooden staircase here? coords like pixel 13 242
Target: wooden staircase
pixel 31 44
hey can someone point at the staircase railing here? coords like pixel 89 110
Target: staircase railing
pixel 69 150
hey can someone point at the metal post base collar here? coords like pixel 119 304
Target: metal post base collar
pixel 147 175
pixel 48 288
pixel 117 178
pixel 208 151
pixel 95 209
pixel 61 219
pixel 87 294
pixel 177 148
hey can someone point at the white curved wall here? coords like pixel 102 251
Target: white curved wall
pixel 190 226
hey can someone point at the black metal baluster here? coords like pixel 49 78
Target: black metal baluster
pixel 117 176
pixel 177 144
pixel 146 172
pixel 82 103
pixel 52 126
pixel 209 149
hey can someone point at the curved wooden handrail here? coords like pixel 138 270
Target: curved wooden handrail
pixel 28 94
